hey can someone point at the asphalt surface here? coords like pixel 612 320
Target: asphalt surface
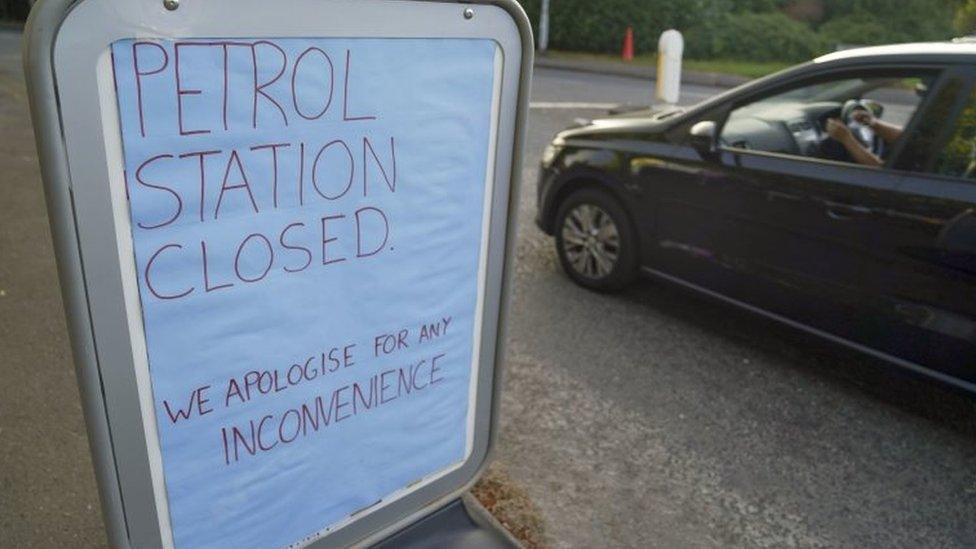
pixel 47 486
pixel 651 418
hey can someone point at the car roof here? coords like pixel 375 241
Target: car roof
pixel 962 47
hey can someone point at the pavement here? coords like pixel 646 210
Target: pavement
pixel 650 418
pixel 47 486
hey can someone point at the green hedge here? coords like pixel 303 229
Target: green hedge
pixel 599 25
pixel 754 30
pixel 888 21
pixel 15 10
pixel 754 36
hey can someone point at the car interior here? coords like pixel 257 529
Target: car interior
pixel 795 122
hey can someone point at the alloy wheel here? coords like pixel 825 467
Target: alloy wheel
pixel 591 241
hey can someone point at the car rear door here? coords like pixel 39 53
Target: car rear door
pixel 927 294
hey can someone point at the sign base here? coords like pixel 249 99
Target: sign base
pixel 462 523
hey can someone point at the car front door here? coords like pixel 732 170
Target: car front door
pixel 801 234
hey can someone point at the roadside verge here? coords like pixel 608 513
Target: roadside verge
pixel 634 70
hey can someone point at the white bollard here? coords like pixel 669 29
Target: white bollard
pixel 670 48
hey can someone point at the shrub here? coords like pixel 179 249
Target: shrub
pixel 749 30
pixel 16 10
pixel 757 6
pixel 889 21
pixel 857 30
pixel 754 36
pixel 599 25
pixel 965 20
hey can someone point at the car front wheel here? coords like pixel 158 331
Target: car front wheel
pixel 595 241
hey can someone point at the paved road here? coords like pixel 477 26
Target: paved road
pixel 651 418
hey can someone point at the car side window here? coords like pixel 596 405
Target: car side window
pixel 958 157
pixel 857 118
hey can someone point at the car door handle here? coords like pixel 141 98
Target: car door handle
pixel 842 212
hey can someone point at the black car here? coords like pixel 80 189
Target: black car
pixel 837 196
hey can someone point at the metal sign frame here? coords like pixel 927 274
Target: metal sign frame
pixel 66 43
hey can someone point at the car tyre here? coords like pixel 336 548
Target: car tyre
pixel 596 241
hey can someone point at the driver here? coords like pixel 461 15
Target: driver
pixel 842 134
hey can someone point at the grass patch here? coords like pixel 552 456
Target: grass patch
pixel 748 69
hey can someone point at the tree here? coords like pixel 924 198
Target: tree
pixel 965 20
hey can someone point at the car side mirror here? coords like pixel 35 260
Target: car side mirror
pixel 702 138
pixel 877 109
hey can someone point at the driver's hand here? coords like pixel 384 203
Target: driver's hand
pixel 838 130
pixel 863 117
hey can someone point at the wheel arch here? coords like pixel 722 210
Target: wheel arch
pixel 574 181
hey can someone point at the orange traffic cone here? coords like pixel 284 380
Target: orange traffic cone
pixel 628 53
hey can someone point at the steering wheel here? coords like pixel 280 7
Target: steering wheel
pixel 865 135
